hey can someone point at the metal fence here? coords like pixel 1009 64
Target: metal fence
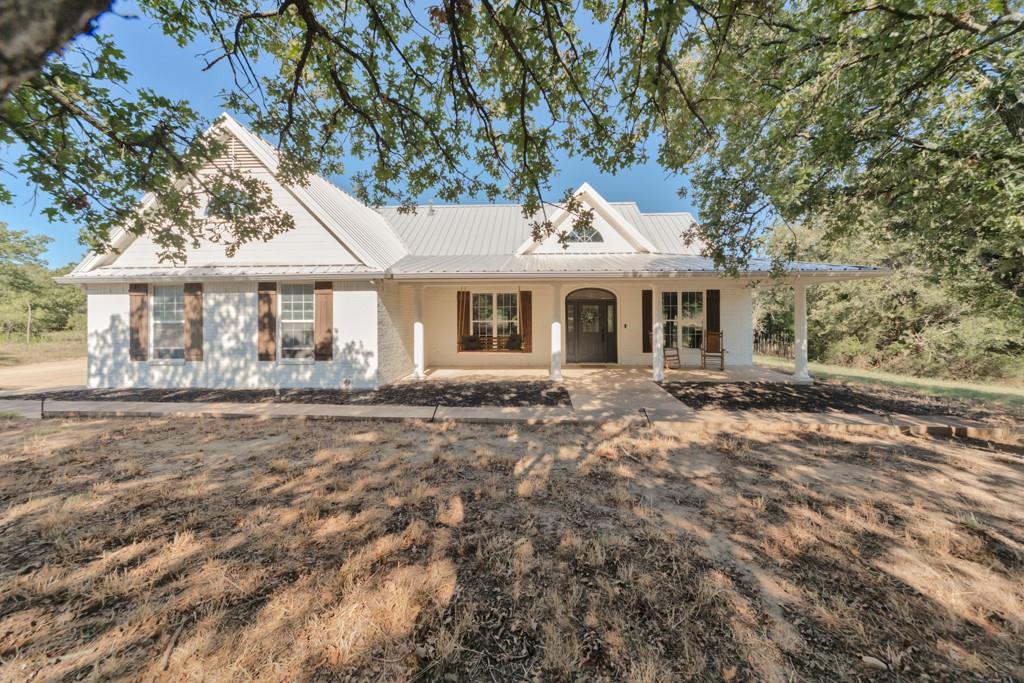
pixel 778 344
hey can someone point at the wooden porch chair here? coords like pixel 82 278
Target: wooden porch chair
pixel 713 347
pixel 672 358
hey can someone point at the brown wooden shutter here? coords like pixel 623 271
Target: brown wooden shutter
pixel 193 321
pixel 267 345
pixel 462 318
pixel 647 317
pixel 714 310
pixel 323 320
pixel 526 320
pixel 138 321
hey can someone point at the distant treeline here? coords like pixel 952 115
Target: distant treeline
pixel 31 303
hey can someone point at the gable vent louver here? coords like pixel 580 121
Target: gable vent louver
pixel 238 156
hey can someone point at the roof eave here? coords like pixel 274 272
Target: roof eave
pixel 787 278
pixel 122 279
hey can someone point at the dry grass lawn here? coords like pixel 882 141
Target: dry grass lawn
pixel 245 550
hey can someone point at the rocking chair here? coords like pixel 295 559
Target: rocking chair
pixel 713 347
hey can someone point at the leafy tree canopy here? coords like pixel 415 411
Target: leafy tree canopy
pixel 25 280
pixel 908 323
pixel 902 120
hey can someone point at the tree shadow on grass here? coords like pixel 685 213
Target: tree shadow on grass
pixel 279 550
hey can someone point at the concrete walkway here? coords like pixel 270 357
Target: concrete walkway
pixel 752 421
pixel 622 393
pixel 598 396
pixel 51 408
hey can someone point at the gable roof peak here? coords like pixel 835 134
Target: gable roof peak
pixel 592 197
pixel 359 228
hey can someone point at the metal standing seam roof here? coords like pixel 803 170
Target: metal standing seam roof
pixel 615 265
pixel 454 240
pixel 500 229
pixel 461 229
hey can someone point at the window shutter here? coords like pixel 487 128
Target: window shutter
pixel 193 321
pixel 647 317
pixel 714 312
pixel 267 294
pixel 462 318
pixel 323 320
pixel 138 321
pixel 526 320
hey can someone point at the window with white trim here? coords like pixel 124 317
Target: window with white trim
pixel 683 313
pixel 168 322
pixel 494 314
pixel 584 233
pixel 297 311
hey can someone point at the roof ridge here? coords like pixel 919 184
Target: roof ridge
pixel 451 206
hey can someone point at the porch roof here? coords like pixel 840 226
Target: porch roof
pixel 568 266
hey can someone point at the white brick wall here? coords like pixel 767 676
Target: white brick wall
pixel 394 331
pixel 440 311
pixel 230 331
pixel 738 326
pixel 373 328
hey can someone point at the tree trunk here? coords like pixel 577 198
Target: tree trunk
pixel 30 30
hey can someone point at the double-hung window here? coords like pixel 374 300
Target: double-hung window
pixel 495 314
pixel 296 321
pixel 169 322
pixel 683 313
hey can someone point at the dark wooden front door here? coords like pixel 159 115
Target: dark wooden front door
pixel 590 331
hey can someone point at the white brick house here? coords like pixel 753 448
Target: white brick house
pixel 357 297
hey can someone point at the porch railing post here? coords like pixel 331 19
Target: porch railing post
pixel 657 336
pixel 556 333
pixel 418 354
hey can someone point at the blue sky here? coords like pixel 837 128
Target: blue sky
pixel 158 63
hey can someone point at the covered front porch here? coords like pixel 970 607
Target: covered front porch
pixel 549 330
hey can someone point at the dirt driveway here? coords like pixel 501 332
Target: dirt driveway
pixel 60 373
pixel 235 550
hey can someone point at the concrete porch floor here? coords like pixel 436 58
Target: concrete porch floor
pixel 572 372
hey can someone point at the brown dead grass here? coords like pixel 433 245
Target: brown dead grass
pixel 280 550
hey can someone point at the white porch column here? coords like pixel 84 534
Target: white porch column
pixel 657 335
pixel 418 355
pixel 556 333
pixel 800 324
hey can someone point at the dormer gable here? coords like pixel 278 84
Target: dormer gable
pixel 609 233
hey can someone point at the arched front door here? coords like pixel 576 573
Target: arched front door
pixel 590 324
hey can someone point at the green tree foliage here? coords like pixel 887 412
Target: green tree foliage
pixel 908 323
pixel 25 280
pixel 898 121
pixel 902 118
